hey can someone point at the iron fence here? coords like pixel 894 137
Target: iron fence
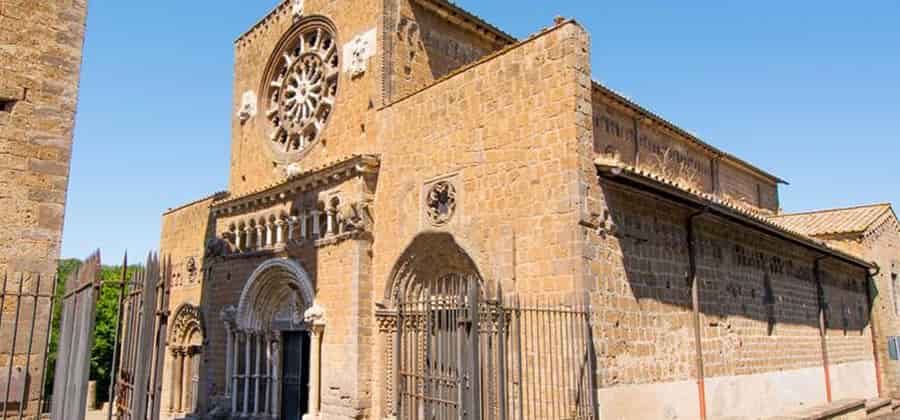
pixel 459 355
pixel 143 319
pixel 26 300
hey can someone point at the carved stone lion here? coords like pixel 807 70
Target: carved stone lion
pixel 354 217
pixel 216 247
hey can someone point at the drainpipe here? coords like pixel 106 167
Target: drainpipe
pixel 695 302
pixel 820 295
pixel 870 285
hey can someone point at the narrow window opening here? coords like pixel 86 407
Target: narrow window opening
pixel 896 290
pixel 7 104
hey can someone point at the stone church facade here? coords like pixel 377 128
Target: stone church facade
pixel 385 147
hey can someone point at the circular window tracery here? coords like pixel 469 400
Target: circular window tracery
pixel 301 89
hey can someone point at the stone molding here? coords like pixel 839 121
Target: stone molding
pixel 277 270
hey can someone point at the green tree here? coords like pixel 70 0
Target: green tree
pixel 106 322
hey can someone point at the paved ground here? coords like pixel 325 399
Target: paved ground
pixel 96 415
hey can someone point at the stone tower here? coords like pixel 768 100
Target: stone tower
pixel 40 59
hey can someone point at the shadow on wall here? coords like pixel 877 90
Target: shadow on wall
pixel 742 273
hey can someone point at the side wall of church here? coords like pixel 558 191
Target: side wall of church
pixel 638 141
pixel 183 239
pixel 504 133
pixel 759 323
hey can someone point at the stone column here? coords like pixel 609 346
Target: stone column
pixel 292 221
pixel 260 240
pixel 270 237
pixel 248 233
pixel 257 377
pixel 303 233
pixel 237 239
pixel 276 369
pixel 229 363
pixel 279 232
pixel 315 317
pixel 234 365
pixel 245 409
pixel 331 221
pixel 186 356
pixel 316 229
pixel 174 394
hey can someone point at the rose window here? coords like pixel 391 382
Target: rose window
pixel 301 89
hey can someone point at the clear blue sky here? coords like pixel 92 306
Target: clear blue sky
pixel 808 90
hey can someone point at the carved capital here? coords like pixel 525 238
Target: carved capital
pixel 315 316
pixel 228 315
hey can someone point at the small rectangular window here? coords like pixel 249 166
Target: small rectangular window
pixel 892 348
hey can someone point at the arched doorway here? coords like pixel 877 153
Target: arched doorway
pixel 274 337
pixel 186 338
pixel 437 293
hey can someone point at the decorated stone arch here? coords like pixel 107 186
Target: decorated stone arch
pixel 186 339
pixel 276 307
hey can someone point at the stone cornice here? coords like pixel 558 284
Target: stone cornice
pixel 324 175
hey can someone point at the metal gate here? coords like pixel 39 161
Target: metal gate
pixel 459 355
pixel 79 307
pixel 142 326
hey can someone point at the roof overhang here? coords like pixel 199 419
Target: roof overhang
pixel 669 190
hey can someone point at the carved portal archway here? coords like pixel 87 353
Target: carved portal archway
pixel 428 259
pixel 277 299
pixel 278 291
pixel 186 346
pixel 433 285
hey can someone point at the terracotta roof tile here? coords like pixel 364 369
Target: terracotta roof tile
pixel 834 221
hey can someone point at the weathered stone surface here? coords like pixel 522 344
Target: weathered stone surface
pixel 40 56
pixel 516 134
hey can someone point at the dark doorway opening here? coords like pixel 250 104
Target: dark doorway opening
pixel 295 384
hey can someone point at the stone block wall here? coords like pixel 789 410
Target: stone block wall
pixel 760 339
pixel 183 243
pixel 340 277
pixel 40 60
pixel 504 133
pixel 622 132
pixel 882 244
pixel 350 128
pixel 423 45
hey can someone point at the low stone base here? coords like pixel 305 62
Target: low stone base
pixel 849 409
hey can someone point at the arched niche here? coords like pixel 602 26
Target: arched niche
pixel 186 346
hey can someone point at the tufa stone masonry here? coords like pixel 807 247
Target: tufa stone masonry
pixel 382 150
pixel 40 60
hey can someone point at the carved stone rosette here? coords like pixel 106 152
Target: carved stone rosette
pixel 440 203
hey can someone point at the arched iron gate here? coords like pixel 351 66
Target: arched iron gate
pixel 459 355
